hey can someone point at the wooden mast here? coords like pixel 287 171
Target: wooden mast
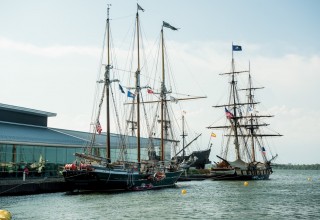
pixel 107 84
pixel 183 137
pixel 163 100
pixel 164 122
pixel 253 153
pixel 138 89
pixel 233 93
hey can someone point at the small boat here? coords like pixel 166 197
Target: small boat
pixel 244 150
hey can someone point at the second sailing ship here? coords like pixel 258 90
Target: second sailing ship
pixel 243 154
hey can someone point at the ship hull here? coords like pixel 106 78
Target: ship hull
pixel 201 158
pixel 105 179
pixel 240 174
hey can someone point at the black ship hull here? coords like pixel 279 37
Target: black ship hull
pixel 198 159
pixel 240 174
pixel 105 179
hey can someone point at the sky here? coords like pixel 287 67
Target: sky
pixel 50 54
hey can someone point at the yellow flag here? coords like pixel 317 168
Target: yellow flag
pixel 213 135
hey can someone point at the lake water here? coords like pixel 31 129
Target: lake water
pixel 289 194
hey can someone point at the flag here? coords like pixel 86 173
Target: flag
pixel 121 89
pixel 167 25
pixel 149 91
pixel 236 48
pixel 139 7
pixel 263 150
pixel 98 127
pixel 131 95
pixel 228 114
pixel 173 99
pixel 213 135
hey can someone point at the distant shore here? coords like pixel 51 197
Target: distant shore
pixel 296 167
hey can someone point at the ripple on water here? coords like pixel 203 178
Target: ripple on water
pixel 287 195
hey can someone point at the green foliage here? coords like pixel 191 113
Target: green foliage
pixel 296 167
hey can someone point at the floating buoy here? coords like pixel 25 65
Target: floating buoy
pixel 309 178
pixel 246 183
pixel 5 215
pixel 183 192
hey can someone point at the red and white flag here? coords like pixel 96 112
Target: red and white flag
pixel 98 127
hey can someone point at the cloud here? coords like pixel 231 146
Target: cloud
pixel 291 83
pixel 51 51
pixel 292 71
pixel 291 89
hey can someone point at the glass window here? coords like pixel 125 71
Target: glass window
pixel 102 152
pixel 6 153
pixel 39 152
pixel 51 154
pixel 61 155
pixel 9 153
pixel 70 155
pixel 2 152
pixel 12 157
pixel 25 154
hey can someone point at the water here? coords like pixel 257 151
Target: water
pixel 289 194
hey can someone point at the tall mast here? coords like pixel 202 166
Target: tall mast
pixel 183 137
pixel 107 84
pixel 234 94
pixel 138 88
pixel 163 94
pixel 251 118
pixel 163 100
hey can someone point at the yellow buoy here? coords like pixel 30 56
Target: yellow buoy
pixel 246 183
pixel 183 191
pixel 309 179
pixel 5 215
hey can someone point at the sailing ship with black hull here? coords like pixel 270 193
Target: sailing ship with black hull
pixel 94 172
pixel 197 159
pixel 244 149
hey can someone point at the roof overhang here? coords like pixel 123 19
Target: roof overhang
pixel 26 110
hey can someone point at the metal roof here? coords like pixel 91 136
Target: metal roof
pixel 100 140
pixel 13 133
pixel 26 110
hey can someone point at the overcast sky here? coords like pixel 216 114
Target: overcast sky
pixel 50 51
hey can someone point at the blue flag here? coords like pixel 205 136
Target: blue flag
pixel 236 48
pixel 121 89
pixel 131 95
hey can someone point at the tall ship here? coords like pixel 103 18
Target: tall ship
pixel 132 169
pixel 244 153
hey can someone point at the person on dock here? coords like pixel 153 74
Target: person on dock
pixel 26 170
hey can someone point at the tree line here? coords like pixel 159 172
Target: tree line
pixel 296 166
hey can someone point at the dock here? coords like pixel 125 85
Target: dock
pixel 10 187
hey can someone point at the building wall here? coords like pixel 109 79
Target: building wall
pixel 40 160
pixel 29 126
pixel 45 161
